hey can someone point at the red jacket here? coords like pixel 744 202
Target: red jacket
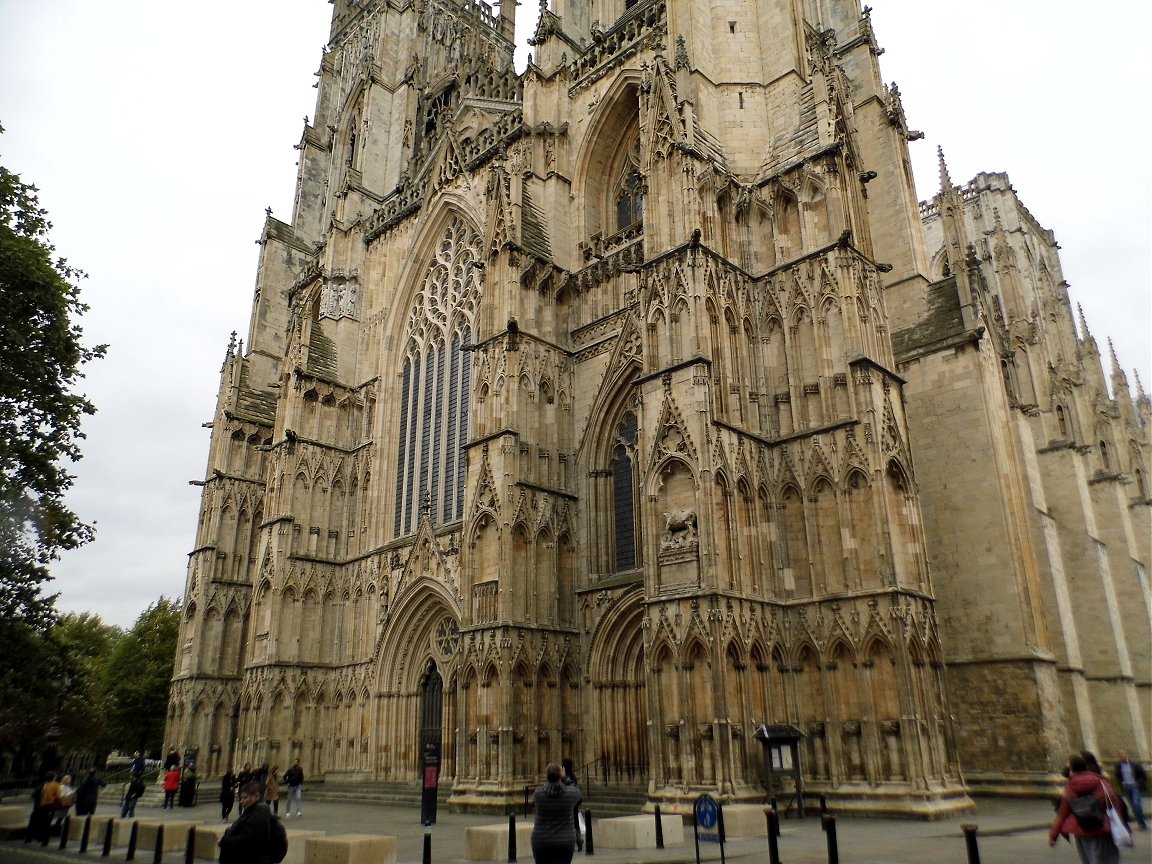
pixel 1085 783
pixel 172 781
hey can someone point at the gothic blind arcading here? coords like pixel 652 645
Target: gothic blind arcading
pixel 434 387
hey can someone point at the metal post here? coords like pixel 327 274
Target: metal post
pixel 823 805
pixel 190 846
pixel 85 834
pixel 511 838
pixel 108 839
pixel 132 842
pixel 64 826
pixel 659 829
pixel 773 834
pixel 970 841
pixel 828 822
pixel 427 859
pixel 158 855
pixel 589 845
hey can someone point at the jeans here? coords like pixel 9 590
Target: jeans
pixel 1133 793
pixel 295 793
pixel 129 808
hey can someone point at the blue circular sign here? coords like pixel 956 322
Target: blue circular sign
pixel 706 812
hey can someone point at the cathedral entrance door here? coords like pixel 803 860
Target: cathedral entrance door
pixel 431 729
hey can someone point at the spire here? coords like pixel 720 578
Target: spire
pixel 1140 394
pixel 945 177
pixel 1116 370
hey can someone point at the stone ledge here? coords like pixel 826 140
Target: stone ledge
pixel 638 832
pixel 350 849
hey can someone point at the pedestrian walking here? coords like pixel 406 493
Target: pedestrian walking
pixel 294 778
pixel 132 794
pixel 1092 831
pixel 227 794
pixel 1132 779
pixel 250 839
pixel 553 832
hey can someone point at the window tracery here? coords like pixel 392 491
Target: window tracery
pixel 436 384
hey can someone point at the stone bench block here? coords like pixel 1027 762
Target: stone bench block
pixel 745 820
pixel 297 843
pixel 350 849
pixel 490 842
pixel 206 845
pixel 175 835
pixel 14 816
pixel 638 832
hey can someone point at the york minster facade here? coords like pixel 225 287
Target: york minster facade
pixel 618 408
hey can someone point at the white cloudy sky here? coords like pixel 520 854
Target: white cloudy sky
pixel 159 132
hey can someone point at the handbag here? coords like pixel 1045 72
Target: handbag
pixel 1121 836
pixel 1086 809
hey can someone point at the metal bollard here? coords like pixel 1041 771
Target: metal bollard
pixel 65 824
pixel 773 834
pixel 158 854
pixel 511 838
pixel 131 856
pixel 589 845
pixel 970 841
pixel 108 839
pixel 85 834
pixel 427 859
pixel 190 846
pixel 659 829
pixel 828 823
pixel 823 805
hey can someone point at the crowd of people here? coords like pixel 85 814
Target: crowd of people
pixel 1092 814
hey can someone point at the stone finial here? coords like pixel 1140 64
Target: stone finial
pixel 945 177
pixel 1140 394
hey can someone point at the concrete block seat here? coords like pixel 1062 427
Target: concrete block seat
pixel 745 820
pixel 490 842
pixel 206 844
pixel 349 849
pixel 638 832
pixel 14 819
pixel 175 835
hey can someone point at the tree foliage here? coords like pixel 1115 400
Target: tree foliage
pixel 139 676
pixel 40 413
pixel 85 646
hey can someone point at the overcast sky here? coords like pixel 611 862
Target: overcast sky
pixel 159 132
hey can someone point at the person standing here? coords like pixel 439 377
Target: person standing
pixel 1131 777
pixel 87 794
pixel 171 787
pixel 188 786
pixel 1093 839
pixel 272 790
pixel 553 831
pixel 44 807
pixel 172 760
pixel 248 840
pixel 136 767
pixel 227 794
pixel 131 795
pixel 294 777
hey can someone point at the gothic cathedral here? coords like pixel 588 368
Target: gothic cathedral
pixel 631 406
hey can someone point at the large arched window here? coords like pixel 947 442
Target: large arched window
pixel 435 384
pixel 624 509
pixel 629 190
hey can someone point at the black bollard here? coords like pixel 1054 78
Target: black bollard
pixel 828 823
pixel 773 834
pixel 589 845
pixel 132 841
pixel 190 846
pixel 511 838
pixel 85 833
pixel 823 805
pixel 427 859
pixel 64 826
pixel 970 842
pixel 158 855
pixel 659 830
pixel 108 839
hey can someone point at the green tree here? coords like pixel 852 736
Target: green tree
pixel 85 646
pixel 139 676
pixel 40 412
pixel 41 355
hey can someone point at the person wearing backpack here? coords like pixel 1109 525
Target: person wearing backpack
pixel 1083 814
pixel 257 837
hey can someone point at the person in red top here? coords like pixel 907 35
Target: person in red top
pixel 171 787
pixel 1093 843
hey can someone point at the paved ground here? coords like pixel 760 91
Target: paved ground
pixel 1010 832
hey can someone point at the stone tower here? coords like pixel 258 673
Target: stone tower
pixel 569 423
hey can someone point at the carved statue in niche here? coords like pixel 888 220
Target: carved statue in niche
pixel 679 531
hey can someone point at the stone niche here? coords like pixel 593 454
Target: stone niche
pixel 678 554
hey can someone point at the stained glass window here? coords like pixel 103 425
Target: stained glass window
pixel 434 388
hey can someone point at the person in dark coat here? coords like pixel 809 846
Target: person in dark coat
pixel 1094 844
pixel 248 839
pixel 87 793
pixel 188 784
pixel 227 794
pixel 553 832
pixel 172 760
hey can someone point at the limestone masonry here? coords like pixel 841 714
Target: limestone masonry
pixel 620 408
